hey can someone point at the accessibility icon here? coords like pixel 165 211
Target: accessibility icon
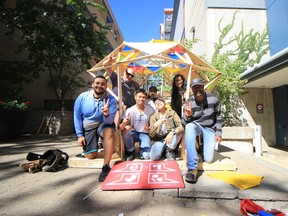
pixel 131 175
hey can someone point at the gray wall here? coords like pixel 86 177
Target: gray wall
pixel 266 119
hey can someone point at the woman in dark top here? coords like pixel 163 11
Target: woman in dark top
pixel 178 91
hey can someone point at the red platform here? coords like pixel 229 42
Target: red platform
pixel 131 175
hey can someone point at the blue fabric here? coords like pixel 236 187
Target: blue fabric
pixel 159 146
pixel 133 136
pixel 88 109
pixel 191 131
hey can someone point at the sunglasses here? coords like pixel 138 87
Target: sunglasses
pixel 128 74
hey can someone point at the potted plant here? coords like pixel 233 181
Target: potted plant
pixel 13 117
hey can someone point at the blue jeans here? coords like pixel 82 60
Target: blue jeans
pixel 143 138
pixel 191 131
pixel 159 146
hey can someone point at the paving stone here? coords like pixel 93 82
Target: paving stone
pixel 76 191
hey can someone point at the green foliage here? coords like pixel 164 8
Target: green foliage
pixel 189 43
pixel 14 105
pixel 158 80
pixel 58 36
pixel 248 51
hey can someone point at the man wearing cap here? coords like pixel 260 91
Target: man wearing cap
pixel 202 115
pixel 165 130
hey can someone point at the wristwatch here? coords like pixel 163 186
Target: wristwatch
pixel 174 132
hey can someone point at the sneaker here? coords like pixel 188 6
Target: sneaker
pixel 130 156
pixel 145 153
pixel 191 176
pixel 105 171
pixel 80 155
pixel 170 155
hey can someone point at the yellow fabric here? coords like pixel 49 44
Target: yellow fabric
pixel 240 180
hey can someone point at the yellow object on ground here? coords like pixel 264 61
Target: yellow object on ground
pixel 240 180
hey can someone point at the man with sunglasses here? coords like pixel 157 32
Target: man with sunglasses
pixel 129 86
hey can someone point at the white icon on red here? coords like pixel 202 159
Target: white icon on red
pixel 159 178
pixel 127 178
pixel 135 167
pixel 159 167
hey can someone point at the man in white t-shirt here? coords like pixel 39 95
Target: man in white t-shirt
pixel 135 127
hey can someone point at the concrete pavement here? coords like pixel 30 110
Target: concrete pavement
pixel 76 191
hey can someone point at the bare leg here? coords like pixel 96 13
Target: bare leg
pixel 91 155
pixel 108 144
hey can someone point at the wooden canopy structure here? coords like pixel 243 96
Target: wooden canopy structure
pixel 167 57
pixel 157 56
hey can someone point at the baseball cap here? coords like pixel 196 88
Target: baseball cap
pixel 197 81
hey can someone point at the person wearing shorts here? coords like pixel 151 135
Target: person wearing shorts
pixel 94 112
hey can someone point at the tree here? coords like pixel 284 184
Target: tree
pixel 249 49
pixel 59 37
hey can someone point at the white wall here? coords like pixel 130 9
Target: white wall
pixel 206 20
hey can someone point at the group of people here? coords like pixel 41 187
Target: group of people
pixel 148 121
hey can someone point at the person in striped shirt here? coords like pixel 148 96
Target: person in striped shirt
pixel 202 115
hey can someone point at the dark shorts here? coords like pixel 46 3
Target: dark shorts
pixel 92 136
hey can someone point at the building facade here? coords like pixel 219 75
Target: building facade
pixel 269 78
pixel 266 87
pixel 165 27
pixel 197 19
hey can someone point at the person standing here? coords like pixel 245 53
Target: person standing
pixel 166 130
pixel 178 93
pixel 129 86
pixel 135 127
pixel 94 112
pixel 202 115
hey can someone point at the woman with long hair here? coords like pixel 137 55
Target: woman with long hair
pixel 178 92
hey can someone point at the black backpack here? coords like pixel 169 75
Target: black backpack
pixel 55 159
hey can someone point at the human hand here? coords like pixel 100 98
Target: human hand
pixel 168 138
pixel 126 121
pixel 105 108
pixel 217 142
pixel 159 122
pixel 146 128
pixel 218 139
pixel 188 109
pixel 109 60
pixel 81 141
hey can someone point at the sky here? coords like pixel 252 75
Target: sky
pixel 139 20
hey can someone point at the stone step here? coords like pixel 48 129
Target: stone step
pixel 220 163
pixel 96 163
